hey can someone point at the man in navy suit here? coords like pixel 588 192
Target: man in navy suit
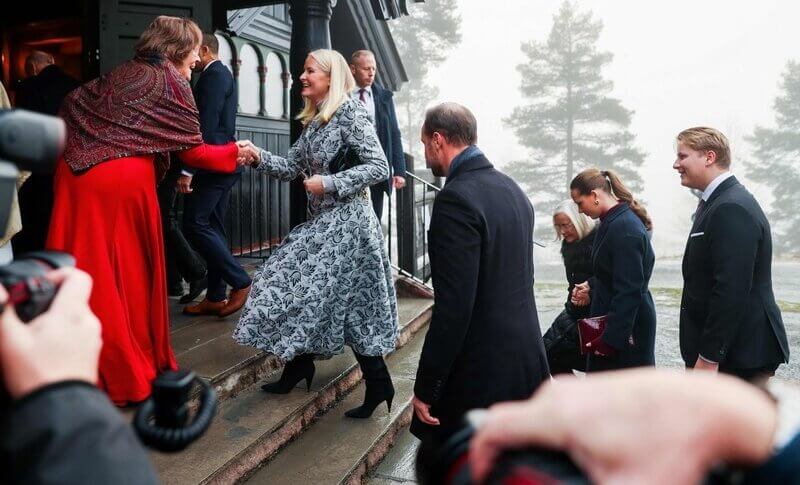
pixel 380 106
pixel 729 319
pixel 207 201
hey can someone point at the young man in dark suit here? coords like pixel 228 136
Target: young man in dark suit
pixel 42 92
pixel 380 106
pixel 729 320
pixel 207 202
pixel 484 344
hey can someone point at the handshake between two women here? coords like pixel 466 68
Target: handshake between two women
pixel 249 154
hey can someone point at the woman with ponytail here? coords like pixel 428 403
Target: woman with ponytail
pixel 622 262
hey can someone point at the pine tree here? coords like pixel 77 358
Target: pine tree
pixel 570 122
pixel 776 151
pixel 423 40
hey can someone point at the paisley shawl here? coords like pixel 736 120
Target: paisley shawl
pixel 143 106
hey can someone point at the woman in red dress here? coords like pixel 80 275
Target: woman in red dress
pixel 121 128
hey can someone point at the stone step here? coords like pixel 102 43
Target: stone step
pixel 339 450
pixel 252 426
pixel 399 465
pixel 204 343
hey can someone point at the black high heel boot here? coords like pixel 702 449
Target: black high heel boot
pixel 379 386
pixel 297 369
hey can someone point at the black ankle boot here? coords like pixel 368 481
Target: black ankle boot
pixel 297 369
pixel 377 392
pixel 379 386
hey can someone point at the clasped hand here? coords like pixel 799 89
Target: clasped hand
pixel 248 153
pixel 580 294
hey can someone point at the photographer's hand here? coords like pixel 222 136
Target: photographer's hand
pixel 635 426
pixel 59 345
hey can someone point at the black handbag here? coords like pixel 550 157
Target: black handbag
pixel 346 158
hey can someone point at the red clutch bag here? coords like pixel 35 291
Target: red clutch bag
pixel 589 330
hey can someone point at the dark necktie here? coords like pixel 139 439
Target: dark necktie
pixel 361 96
pixel 700 204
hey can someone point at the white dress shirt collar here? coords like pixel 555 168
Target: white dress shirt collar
pixel 369 100
pixel 716 183
pixel 212 62
pixel 367 89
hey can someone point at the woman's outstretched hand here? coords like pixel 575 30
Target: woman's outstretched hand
pixel 248 153
pixel 314 185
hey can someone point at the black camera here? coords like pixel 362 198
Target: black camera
pixel 447 463
pixel 34 142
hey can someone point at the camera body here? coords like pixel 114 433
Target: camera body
pixel 447 463
pixel 28 141
pixel 31 142
pixel 23 279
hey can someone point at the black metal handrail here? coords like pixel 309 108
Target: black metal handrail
pixel 259 220
pixel 414 208
pixel 407 227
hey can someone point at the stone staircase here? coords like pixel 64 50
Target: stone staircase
pixel 302 437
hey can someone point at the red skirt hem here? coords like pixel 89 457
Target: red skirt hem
pixel 108 218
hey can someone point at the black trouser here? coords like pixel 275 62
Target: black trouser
pixel 562 346
pixel 35 207
pixel 181 259
pixel 204 221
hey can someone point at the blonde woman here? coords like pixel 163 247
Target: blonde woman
pixel 576 233
pixel 330 283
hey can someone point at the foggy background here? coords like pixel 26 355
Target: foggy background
pixel 675 64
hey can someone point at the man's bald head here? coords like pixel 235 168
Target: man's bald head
pixel 36 61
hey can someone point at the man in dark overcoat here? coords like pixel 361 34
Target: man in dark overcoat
pixel 42 91
pixel 380 106
pixel 484 344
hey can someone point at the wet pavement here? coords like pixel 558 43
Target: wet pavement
pixel 550 291
pixel 665 285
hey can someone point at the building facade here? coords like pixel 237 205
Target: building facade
pixel 263 43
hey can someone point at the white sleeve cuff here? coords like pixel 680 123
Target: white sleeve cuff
pixel 708 360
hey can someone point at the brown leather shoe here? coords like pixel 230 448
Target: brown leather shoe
pixel 235 301
pixel 205 307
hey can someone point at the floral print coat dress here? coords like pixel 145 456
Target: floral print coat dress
pixel 330 283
